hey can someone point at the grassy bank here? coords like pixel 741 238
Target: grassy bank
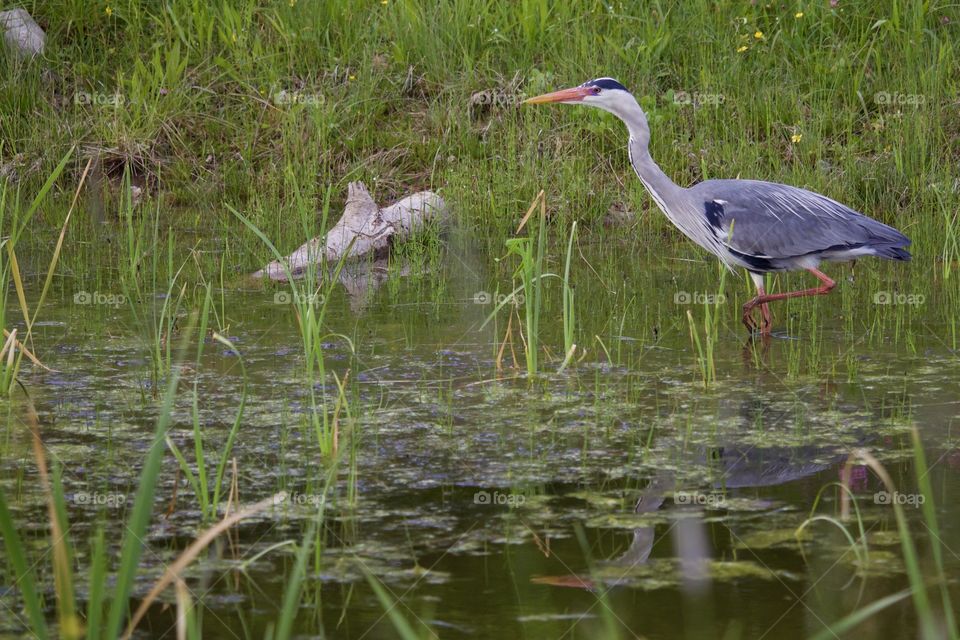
pixel 260 103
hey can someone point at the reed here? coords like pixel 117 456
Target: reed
pixel 569 308
pixel 934 622
pixel 209 491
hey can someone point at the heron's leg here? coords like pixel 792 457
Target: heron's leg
pixel 767 319
pixel 751 304
pixel 823 289
pixel 748 311
pixel 763 298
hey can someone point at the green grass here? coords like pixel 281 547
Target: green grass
pixel 569 304
pixel 310 297
pixel 106 610
pixel 200 80
pixel 934 621
pixel 530 250
pixel 209 491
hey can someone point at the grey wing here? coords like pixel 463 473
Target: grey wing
pixel 765 220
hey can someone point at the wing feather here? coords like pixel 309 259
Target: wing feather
pixel 776 221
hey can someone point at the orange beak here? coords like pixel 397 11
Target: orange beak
pixel 575 94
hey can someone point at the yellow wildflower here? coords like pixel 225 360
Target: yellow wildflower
pixel 798 15
pixel 797 137
pixel 742 49
pixel 758 35
pixel 108 11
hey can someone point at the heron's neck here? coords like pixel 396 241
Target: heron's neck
pixel 675 202
pixel 660 186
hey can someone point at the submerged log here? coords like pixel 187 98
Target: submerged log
pixel 363 229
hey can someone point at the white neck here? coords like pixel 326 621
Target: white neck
pixel 673 200
pixel 664 190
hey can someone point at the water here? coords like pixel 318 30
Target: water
pixel 616 498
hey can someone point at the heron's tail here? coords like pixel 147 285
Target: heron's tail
pixel 892 252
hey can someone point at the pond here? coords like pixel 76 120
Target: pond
pixel 632 494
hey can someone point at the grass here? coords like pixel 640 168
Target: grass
pixel 530 272
pixel 69 625
pixel 310 297
pixel 192 87
pixel 107 606
pixel 19 221
pixel 209 491
pixel 933 622
pixel 147 258
pixel 569 305
pixel 706 347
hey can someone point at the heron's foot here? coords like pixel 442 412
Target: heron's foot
pixel 748 319
pixel 767 326
pixel 766 321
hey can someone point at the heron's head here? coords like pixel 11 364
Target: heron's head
pixel 604 93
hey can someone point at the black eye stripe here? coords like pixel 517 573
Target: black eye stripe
pixel 605 83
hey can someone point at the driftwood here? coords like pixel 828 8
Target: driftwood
pixel 364 229
pixel 21 33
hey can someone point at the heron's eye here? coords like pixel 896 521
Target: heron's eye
pixel 596 91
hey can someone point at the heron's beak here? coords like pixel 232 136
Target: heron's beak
pixel 575 94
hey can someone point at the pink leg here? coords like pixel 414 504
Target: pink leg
pixel 763 298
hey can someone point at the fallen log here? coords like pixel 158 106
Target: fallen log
pixel 363 229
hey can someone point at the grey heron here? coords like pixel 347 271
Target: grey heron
pixel 763 227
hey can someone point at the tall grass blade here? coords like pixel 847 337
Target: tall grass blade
pixel 24 577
